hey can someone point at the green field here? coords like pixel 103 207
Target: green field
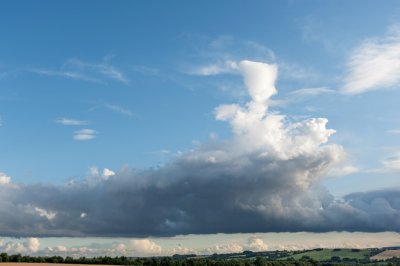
pixel 327 254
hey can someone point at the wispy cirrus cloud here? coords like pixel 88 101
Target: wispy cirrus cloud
pixel 71 122
pixel 104 68
pixel 65 74
pixel 374 64
pixel 85 134
pixel 87 71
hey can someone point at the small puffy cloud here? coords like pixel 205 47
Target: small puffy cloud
pixel 256 244
pixel 4 179
pixel 228 248
pixel 85 134
pixel 144 247
pixel 107 173
pixel 95 178
pixel 71 122
pixel 374 64
pixel 181 250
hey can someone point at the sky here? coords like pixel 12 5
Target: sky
pixel 153 128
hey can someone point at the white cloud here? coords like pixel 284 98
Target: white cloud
pixel 144 247
pixel 256 244
pixel 33 244
pixel 4 179
pixel 374 64
pixel 71 122
pixel 95 178
pixel 85 134
pixel 107 173
pixel 221 249
pixel 29 246
pixel 257 127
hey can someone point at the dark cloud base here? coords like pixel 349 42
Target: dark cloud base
pixel 167 202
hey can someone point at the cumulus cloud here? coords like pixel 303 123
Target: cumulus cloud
pixel 265 178
pixel 253 244
pixel 256 244
pixel 374 64
pixel 377 209
pixel 29 246
pixel 221 249
pixel 85 134
pixel 145 247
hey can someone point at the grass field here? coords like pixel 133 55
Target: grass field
pixel 327 254
pixel 387 254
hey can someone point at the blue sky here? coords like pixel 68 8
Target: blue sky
pixel 116 100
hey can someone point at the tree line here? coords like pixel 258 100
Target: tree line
pixel 184 261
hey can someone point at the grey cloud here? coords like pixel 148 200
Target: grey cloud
pixel 192 197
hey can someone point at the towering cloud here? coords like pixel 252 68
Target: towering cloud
pixel 265 178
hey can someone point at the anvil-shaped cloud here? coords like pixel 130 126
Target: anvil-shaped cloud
pixel 265 178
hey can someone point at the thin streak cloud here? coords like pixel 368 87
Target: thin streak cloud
pixel 71 122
